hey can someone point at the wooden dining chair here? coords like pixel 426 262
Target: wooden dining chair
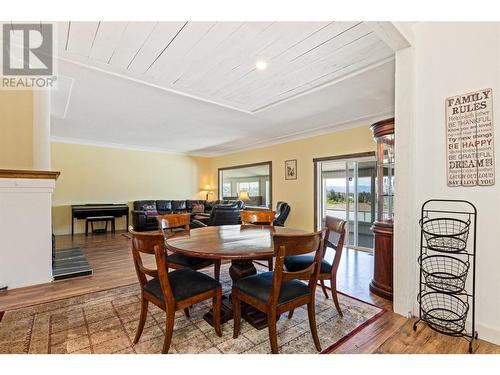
pixel 179 224
pixel 334 228
pixel 170 291
pixel 279 291
pixel 259 217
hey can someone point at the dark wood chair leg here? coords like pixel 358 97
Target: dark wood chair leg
pixel 290 313
pixel 333 287
pixel 236 313
pixel 270 264
pixel 273 331
pixel 217 269
pixel 322 282
pixel 142 319
pixel 169 329
pixel 186 312
pixel 312 323
pixel 216 305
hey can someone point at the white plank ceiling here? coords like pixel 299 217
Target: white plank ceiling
pixel 192 87
pixel 215 61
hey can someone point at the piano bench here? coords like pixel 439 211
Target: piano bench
pixel 95 219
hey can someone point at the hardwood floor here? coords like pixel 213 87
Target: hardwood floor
pixel 110 255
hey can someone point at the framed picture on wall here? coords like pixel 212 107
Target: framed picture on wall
pixel 291 169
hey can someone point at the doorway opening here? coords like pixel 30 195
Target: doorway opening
pixel 345 188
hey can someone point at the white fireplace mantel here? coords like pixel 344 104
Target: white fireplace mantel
pixel 26 227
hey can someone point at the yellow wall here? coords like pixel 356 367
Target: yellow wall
pixel 299 193
pixel 16 129
pixel 91 174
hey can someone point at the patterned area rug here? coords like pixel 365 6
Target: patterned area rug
pixel 105 322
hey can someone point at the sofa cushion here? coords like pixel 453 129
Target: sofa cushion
pixel 164 205
pixel 198 208
pixel 139 204
pixel 191 202
pixel 209 205
pixel 178 206
pixel 150 210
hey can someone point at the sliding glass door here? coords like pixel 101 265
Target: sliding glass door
pixel 346 189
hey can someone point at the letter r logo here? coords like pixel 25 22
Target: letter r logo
pixel 27 49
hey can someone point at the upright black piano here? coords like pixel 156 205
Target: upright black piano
pixel 83 211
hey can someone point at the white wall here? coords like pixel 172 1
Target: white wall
pixel 41 130
pixel 25 230
pixel 449 59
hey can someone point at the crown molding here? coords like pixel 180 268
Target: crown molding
pixel 309 133
pixel 120 146
pixel 304 134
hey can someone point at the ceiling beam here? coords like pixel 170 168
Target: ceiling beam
pixel 389 34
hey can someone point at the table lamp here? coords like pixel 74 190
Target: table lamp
pixel 209 191
pixel 243 196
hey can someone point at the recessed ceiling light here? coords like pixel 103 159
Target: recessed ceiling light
pixel 260 65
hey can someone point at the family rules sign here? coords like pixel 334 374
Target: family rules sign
pixel 469 137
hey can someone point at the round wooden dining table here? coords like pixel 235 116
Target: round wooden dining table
pixel 239 243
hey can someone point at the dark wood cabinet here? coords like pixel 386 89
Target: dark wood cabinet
pixel 382 282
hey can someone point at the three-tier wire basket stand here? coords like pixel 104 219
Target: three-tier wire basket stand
pixel 448 268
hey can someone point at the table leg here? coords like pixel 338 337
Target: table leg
pixel 258 319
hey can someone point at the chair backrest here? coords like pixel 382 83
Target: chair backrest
pixel 282 212
pixel 296 244
pixel 151 243
pixel 334 227
pixel 173 221
pixel 257 217
pixel 144 243
pixel 224 214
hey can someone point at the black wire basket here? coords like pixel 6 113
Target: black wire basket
pixel 444 273
pixel 444 313
pixel 445 234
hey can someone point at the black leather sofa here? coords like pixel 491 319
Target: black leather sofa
pixel 142 222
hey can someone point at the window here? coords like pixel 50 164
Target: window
pixel 226 189
pixel 251 187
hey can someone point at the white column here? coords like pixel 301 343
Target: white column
pixel 405 205
pixel 41 130
pixel 25 229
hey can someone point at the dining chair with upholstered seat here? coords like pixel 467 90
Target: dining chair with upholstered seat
pixel 179 224
pixel 279 291
pixel 170 291
pixel 259 217
pixel 334 239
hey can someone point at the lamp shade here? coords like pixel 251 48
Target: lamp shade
pixel 208 188
pixel 243 196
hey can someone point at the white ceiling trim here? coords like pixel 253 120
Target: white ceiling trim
pixel 326 84
pixel 84 142
pixel 313 132
pixel 309 133
pixel 163 88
